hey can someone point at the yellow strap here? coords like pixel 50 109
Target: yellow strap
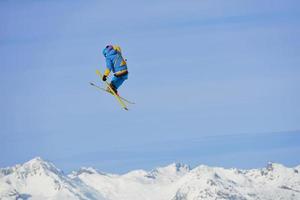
pixel 117 48
pixel 119 73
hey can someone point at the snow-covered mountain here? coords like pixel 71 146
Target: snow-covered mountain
pixel 38 179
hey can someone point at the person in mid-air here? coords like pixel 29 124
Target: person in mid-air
pixel 117 64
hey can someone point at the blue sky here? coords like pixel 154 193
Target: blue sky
pixel 215 82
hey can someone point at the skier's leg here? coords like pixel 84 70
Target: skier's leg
pixel 112 87
pixel 118 81
pixel 115 84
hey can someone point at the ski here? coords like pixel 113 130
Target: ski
pixel 100 88
pixel 113 92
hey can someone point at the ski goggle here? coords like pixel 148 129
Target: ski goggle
pixel 109 47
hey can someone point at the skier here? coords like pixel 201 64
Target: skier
pixel 117 64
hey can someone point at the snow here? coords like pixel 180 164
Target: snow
pixel 39 179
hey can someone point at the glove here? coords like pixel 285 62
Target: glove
pixel 104 78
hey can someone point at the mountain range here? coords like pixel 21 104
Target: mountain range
pixel 38 179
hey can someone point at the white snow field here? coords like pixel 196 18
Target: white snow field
pixel 41 180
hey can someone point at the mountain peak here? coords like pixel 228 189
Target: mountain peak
pixel 35 161
pixel 173 168
pixel 34 166
pixel 271 166
pixel 38 163
pixel 177 169
pixel 85 170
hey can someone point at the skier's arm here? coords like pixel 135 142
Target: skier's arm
pixel 109 66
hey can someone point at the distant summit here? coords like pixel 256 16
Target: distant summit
pixel 33 167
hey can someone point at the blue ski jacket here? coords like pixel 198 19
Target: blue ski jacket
pixel 114 61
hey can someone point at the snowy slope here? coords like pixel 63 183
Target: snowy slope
pixel 38 179
pixel 160 183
